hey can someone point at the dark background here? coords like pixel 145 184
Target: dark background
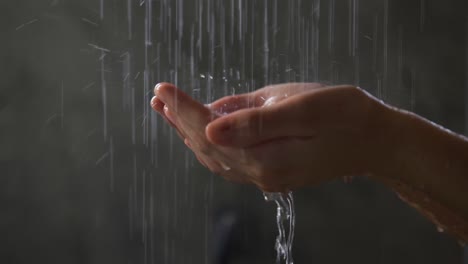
pixel 88 174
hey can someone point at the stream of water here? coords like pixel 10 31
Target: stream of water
pixel 285 221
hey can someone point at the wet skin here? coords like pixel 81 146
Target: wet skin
pixel 287 136
pixel 261 138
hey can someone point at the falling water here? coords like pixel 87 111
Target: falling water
pixel 104 94
pixel 285 221
pixel 212 49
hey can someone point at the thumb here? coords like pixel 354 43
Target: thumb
pixel 249 127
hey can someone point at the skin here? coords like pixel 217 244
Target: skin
pixel 288 136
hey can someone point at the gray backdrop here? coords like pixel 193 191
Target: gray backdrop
pixel 88 174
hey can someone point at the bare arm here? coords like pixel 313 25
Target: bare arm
pixel 427 166
pixel 308 130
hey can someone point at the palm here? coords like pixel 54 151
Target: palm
pixel 274 137
pixel 260 98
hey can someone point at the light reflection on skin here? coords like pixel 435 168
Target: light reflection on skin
pixel 267 136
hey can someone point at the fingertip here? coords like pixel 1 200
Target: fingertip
pixel 156 89
pixel 163 89
pixel 157 104
pixel 209 133
pixel 175 98
pixel 187 143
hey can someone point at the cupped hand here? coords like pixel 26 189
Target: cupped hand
pixel 280 137
pixel 190 119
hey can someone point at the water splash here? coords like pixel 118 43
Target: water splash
pixel 285 221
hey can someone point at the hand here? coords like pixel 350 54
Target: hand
pixel 190 118
pixel 280 137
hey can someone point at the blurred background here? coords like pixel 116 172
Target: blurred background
pixel 89 174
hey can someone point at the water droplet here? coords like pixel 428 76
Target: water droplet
pixel 270 101
pixel 440 229
pixel 225 167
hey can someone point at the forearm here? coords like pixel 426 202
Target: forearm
pixel 428 167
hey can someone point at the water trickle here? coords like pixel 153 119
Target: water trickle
pixel 285 221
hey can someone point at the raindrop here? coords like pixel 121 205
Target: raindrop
pixel 104 94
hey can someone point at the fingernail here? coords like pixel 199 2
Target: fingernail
pixel 153 101
pixel 156 88
pixel 166 93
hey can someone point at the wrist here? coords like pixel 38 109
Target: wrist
pixel 400 141
pixel 384 139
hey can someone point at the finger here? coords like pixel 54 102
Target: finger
pixel 170 115
pixel 182 135
pixel 159 107
pixel 234 103
pixel 209 163
pixel 250 127
pixel 202 162
pixel 219 169
pixel 157 104
pixel 182 105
